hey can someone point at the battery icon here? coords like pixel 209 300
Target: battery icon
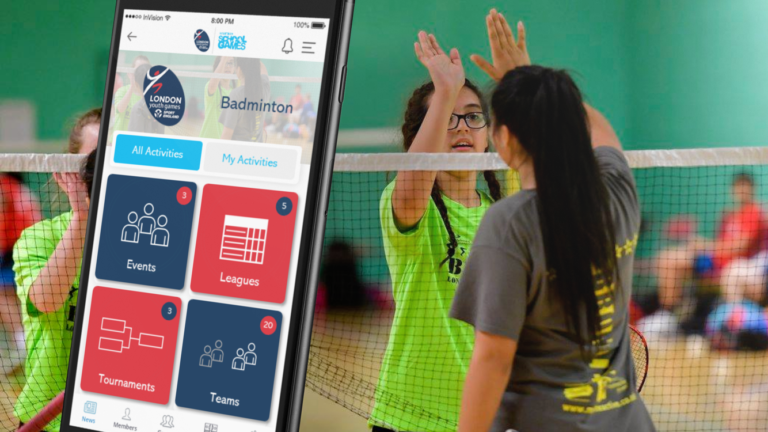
pixel 318 25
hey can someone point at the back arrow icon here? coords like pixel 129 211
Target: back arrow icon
pixel 131 35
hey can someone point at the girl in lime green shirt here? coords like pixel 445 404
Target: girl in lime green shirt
pixel 429 219
pixel 215 89
pixel 47 259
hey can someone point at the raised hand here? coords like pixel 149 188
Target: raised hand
pixel 446 71
pixel 506 53
pixel 75 189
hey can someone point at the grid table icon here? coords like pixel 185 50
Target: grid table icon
pixel 244 239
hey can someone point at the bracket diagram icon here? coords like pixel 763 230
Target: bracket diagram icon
pixel 118 345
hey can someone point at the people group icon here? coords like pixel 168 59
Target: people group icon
pixel 209 356
pixel 146 225
pixel 243 358
pixel 167 421
pixel 127 416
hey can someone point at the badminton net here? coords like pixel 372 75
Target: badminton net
pixel 698 296
pixel 699 287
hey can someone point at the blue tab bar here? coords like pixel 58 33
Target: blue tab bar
pixel 158 152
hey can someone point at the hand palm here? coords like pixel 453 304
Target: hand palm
pixel 446 70
pixel 443 70
pixel 506 53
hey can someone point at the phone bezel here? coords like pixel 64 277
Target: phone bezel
pixel 317 193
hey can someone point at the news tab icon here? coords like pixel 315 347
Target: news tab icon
pixel 90 407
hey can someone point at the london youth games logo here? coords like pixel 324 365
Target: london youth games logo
pixel 202 42
pixel 164 95
pixel 230 41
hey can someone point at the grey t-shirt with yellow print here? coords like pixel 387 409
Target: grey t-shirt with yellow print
pixel 504 291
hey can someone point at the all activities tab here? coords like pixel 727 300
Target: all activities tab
pixel 158 152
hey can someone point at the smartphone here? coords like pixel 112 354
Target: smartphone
pixel 206 216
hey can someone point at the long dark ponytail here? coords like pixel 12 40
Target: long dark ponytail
pixel 544 110
pixel 415 113
pixel 251 68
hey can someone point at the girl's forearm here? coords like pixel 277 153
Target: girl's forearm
pixel 51 288
pixel 488 375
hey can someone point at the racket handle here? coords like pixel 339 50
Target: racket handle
pixel 45 416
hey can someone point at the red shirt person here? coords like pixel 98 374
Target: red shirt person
pixel 18 210
pixel 742 229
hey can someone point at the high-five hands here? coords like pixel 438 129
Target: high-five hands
pixel 506 53
pixel 446 71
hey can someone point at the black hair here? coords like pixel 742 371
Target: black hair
pixel 87 169
pixel 343 285
pixel 744 177
pixel 251 68
pixel 414 116
pixel 543 108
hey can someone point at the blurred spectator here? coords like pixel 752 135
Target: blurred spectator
pixel 19 209
pixel 47 259
pixel 746 279
pixel 739 236
pixel 127 96
pixel 341 284
pixel 308 113
pixel 297 100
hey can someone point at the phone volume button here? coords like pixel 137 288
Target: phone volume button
pixel 343 83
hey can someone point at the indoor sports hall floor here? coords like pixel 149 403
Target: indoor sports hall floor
pixel 689 388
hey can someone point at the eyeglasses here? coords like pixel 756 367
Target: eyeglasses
pixel 473 120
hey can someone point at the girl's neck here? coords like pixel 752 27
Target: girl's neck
pixel 527 176
pixel 459 187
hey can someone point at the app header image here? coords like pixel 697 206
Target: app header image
pixel 217 98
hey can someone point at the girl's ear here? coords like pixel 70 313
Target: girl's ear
pixel 501 140
pixel 507 145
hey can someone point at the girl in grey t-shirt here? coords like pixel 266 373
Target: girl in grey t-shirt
pixel 548 281
pixel 247 124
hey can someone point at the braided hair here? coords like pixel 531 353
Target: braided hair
pixel 415 113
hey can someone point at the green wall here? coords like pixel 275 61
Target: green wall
pixel 585 38
pixel 698 73
pixel 668 74
pixel 55 53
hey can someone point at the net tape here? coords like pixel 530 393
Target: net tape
pixel 371 162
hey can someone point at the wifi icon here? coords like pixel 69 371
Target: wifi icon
pixel 167 17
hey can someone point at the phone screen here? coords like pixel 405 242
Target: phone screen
pixel 196 241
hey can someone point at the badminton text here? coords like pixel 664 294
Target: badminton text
pixel 255 106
